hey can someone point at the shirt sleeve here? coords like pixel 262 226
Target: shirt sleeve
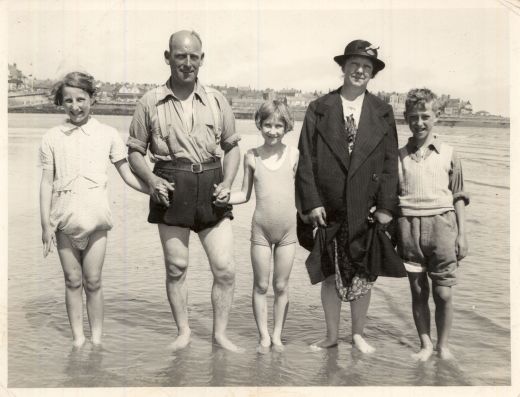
pixel 117 147
pixel 229 137
pixel 139 134
pixel 457 181
pixel 46 154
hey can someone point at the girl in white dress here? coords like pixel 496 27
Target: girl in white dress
pixel 74 209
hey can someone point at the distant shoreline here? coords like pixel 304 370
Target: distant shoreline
pixel 247 114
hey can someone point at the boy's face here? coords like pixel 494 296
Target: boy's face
pixel 421 119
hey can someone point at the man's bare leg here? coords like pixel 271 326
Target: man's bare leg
pixel 218 244
pixel 175 241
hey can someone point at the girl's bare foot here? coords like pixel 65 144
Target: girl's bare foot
pixel 361 344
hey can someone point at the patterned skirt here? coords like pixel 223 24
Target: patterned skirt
pixel 352 280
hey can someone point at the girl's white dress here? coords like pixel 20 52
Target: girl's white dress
pixel 79 158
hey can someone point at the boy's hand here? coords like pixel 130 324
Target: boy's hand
pixel 461 246
pixel 49 241
pixel 222 194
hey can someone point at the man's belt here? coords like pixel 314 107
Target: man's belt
pixel 196 168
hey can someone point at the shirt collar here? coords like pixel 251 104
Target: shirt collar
pixel 86 128
pixel 166 90
pixel 436 144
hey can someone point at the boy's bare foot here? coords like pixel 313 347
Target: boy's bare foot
pixel 324 344
pixel 182 340
pixel 225 343
pixel 423 354
pixel 79 341
pixel 444 353
pixel 96 341
pixel 261 349
pixel 361 344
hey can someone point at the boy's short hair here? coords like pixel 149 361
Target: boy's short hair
pixel 420 96
pixel 274 107
pixel 83 81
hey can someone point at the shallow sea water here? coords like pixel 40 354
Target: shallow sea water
pixel 139 324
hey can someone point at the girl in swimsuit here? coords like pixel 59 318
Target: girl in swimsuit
pixel 271 169
pixel 75 214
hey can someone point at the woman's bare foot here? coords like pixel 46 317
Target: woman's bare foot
pixel 78 342
pixel 324 344
pixel 444 353
pixel 225 343
pixel 182 340
pixel 361 344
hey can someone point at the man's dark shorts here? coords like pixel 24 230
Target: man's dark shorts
pixel 192 203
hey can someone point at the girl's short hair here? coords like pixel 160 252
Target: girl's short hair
pixel 275 107
pixel 420 96
pixel 79 80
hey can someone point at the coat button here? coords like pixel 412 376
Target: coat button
pixel 375 178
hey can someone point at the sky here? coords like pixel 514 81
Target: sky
pixel 451 49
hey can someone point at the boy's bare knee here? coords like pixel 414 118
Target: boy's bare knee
pixel 442 295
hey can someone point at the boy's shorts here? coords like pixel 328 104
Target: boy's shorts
pixel 192 202
pixel 427 243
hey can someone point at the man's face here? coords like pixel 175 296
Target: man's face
pixel 358 71
pixel 421 119
pixel 185 58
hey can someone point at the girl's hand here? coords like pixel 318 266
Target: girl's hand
pixel 461 246
pixel 221 194
pixel 49 241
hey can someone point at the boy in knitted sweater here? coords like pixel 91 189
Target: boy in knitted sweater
pixel 432 237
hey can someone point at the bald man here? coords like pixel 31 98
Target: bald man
pixel 189 131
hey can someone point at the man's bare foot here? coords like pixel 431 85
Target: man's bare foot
pixel 182 340
pixel 444 353
pixel 225 343
pixel 324 344
pixel 96 341
pixel 361 344
pixel 78 342
pixel 277 344
pixel 423 354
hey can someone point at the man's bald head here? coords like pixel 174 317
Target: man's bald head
pixel 180 36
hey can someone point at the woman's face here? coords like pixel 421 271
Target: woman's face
pixel 76 103
pixel 358 72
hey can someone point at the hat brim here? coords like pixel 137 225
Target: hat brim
pixel 378 64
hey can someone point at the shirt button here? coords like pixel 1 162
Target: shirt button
pixel 375 178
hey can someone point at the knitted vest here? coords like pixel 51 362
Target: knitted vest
pixel 424 185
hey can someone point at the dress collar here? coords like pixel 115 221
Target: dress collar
pixel 86 128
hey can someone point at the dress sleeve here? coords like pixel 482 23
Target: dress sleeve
pixel 117 147
pixel 46 154
pixel 456 180
pixel 139 138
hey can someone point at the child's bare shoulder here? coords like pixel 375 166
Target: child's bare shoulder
pixel 249 158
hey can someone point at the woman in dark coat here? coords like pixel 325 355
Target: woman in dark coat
pixel 347 170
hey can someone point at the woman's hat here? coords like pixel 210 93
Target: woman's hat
pixel 361 48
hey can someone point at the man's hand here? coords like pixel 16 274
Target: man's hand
pixel 461 246
pixel 48 240
pixel 383 216
pixel 318 217
pixel 221 194
pixel 159 189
